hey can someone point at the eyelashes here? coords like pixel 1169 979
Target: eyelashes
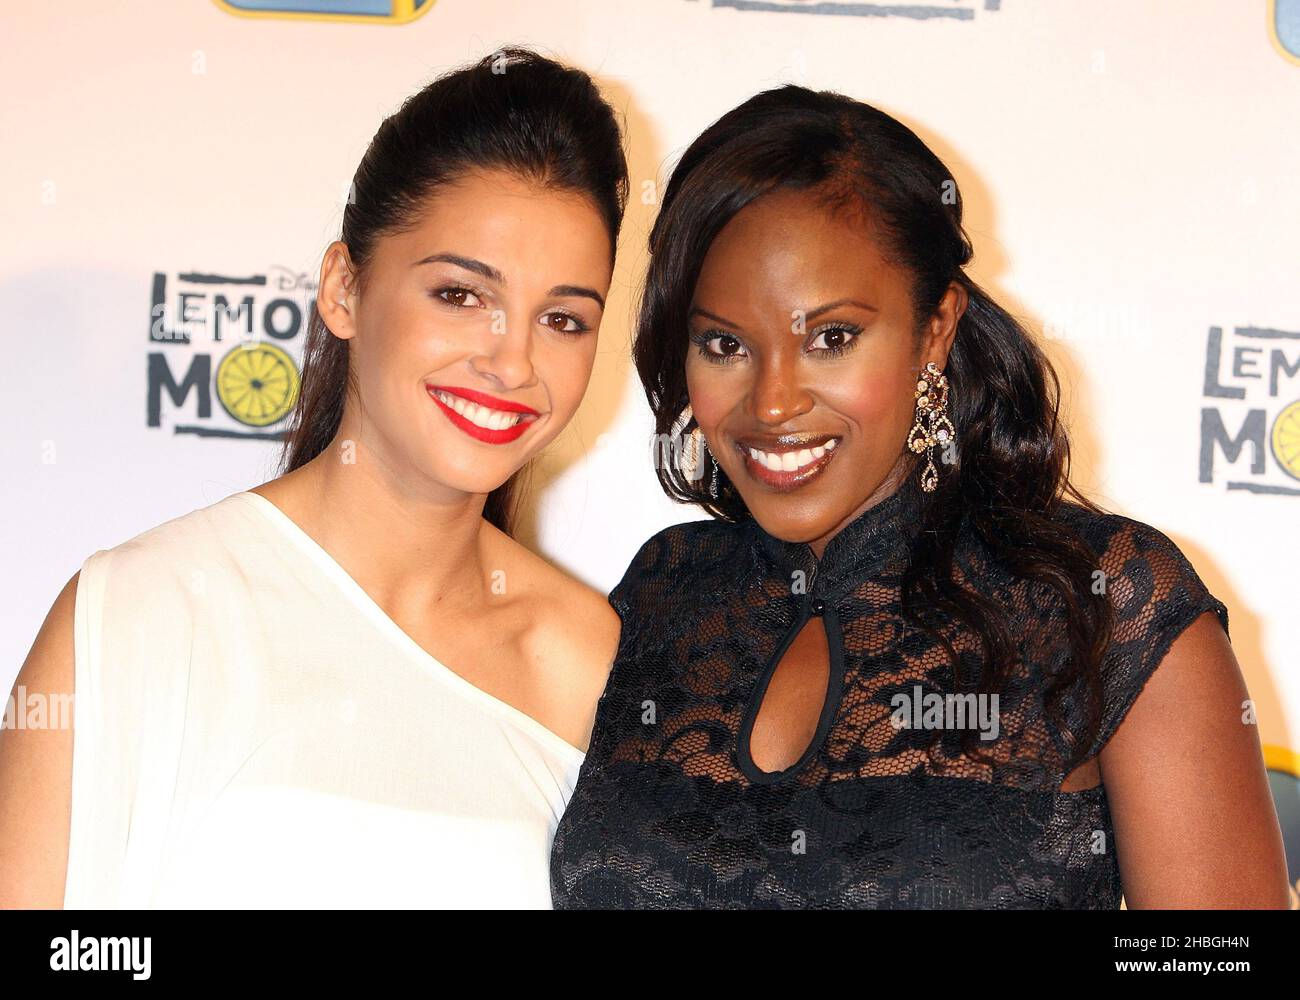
pixel 456 290
pixel 454 296
pixel 823 334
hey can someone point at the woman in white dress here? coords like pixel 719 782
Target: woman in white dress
pixel 350 686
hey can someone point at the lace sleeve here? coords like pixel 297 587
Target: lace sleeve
pixel 642 599
pixel 651 566
pixel 1155 594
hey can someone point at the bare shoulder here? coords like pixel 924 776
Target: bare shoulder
pixel 49 666
pixel 569 636
pixel 573 642
pixel 50 657
pixel 36 768
pixel 569 621
pixel 579 626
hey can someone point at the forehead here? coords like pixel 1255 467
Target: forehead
pixel 792 249
pixel 530 232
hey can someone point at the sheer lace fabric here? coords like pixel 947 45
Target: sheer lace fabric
pixel 670 810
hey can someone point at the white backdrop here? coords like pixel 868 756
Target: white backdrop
pixel 1129 169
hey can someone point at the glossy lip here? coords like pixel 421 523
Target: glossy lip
pixel 482 433
pixel 784 482
pixel 483 399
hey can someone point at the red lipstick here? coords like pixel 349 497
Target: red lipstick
pixel 483 399
pixel 502 436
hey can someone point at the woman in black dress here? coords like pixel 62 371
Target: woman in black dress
pixel 899 668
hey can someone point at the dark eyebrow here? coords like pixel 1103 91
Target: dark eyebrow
pixel 468 263
pixel 697 311
pixel 560 291
pixel 811 314
pixel 814 313
pixel 492 274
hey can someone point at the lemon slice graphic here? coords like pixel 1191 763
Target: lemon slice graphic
pixel 257 384
pixel 1286 439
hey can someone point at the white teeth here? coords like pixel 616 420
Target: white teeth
pixel 492 420
pixel 791 461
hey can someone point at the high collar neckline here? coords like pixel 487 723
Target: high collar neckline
pixel 859 548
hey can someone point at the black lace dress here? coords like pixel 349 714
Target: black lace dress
pixel 670 811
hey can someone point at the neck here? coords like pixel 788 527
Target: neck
pixel 411 546
pixel 904 467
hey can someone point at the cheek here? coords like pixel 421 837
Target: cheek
pixel 872 400
pixel 389 335
pixel 711 394
pixel 404 344
pixel 565 369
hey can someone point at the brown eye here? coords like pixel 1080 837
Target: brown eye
pixel 456 296
pixel 718 347
pixel 560 323
pixel 834 340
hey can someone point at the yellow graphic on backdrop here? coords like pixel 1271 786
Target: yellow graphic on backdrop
pixel 257 384
pixel 1286 439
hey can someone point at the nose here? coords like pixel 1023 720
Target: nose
pixel 507 358
pixel 777 395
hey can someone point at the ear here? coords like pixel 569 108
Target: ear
pixel 942 326
pixel 336 296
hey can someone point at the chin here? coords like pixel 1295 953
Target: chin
pixel 792 525
pixel 465 475
pixel 476 483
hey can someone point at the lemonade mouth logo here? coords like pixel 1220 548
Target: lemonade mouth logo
pixel 952 10
pixel 349 11
pixel 237 339
pixel 1253 374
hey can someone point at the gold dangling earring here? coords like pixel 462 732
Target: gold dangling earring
pixel 693 471
pixel 697 442
pixel 932 426
pixel 690 461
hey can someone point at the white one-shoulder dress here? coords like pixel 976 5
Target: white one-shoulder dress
pixel 253 730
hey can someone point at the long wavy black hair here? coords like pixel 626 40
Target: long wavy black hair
pixel 514 110
pixel 1011 466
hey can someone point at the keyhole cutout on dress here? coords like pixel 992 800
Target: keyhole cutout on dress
pixel 793 702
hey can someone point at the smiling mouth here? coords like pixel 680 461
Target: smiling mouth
pixel 470 411
pixel 786 467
